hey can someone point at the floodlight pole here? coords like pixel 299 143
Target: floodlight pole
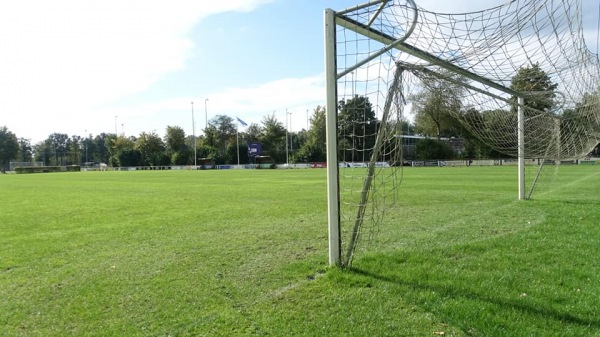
pixel 205 116
pixel 194 137
pixel 287 154
pixel 307 121
pixel 291 135
pixel 333 203
pixel 86 153
pixel 521 146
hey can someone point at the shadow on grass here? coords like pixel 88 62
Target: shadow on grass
pixel 453 293
pixel 577 202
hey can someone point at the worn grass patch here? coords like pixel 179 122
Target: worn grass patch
pixel 220 253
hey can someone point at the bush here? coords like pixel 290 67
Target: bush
pixel 433 149
pixel 47 169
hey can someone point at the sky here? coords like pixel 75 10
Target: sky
pixel 131 66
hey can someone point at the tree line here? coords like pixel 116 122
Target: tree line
pixel 220 142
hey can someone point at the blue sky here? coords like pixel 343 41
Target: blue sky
pixel 71 66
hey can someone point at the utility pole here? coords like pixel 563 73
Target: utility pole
pixel 194 137
pixel 287 154
pixel 205 116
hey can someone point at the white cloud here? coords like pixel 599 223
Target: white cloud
pixel 62 59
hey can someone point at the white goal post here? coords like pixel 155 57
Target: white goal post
pixel 380 53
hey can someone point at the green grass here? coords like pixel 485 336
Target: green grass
pixel 222 253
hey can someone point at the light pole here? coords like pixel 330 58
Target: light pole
pixel 85 141
pixel 194 138
pixel 291 133
pixel 116 131
pixel 205 115
pixel 287 154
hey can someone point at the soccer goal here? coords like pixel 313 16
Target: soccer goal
pixel 519 77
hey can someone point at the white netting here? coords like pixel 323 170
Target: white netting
pixel 532 49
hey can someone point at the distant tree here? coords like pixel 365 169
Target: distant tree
pixel 152 149
pixel 174 139
pixel 253 133
pixel 272 138
pixel 538 87
pixel 317 131
pixel 436 107
pixel 99 150
pixel 9 147
pixel 314 148
pixel 129 157
pixel 220 136
pixel 433 149
pixel 357 127
pixel 25 150
pixel 74 149
pixel 58 146
pixel 42 151
pixel 177 149
pixel 118 145
pixel 476 143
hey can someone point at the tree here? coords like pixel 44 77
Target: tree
pixel 152 149
pixel 117 145
pixel 43 152
pixel 436 107
pixel 273 138
pixel 538 88
pixel 357 127
pixel 9 147
pixel 99 148
pixel 433 149
pixel 74 149
pixel 253 132
pixel 57 142
pixel 177 149
pixel 220 138
pixel 25 150
pixel 314 148
pixel 483 125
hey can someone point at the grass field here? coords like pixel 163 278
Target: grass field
pixel 223 253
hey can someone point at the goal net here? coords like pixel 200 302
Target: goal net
pixel 519 77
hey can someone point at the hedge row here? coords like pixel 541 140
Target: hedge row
pixel 47 169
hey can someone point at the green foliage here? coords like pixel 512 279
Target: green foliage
pixel 434 149
pixel 272 138
pixel 25 153
pixel 357 125
pixel 129 157
pixel 177 149
pixel 436 107
pixel 47 169
pixel 582 119
pixel 9 147
pixel 118 145
pixel 151 148
pixel 98 150
pixel 220 137
pixel 477 149
pixel 314 148
pixel 182 157
pixel 537 86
